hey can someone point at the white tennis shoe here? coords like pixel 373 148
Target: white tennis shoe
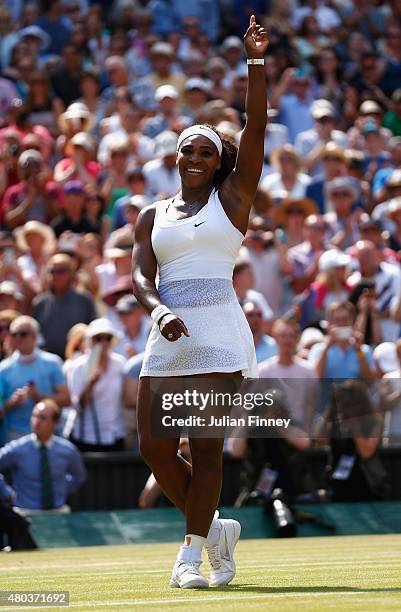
pixel 186 575
pixel 221 554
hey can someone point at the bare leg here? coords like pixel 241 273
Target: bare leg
pixel 171 470
pixel 204 489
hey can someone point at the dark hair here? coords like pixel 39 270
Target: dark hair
pixel 228 159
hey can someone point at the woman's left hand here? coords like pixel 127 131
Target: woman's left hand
pixel 255 39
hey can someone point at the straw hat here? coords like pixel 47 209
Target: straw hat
pixel 76 110
pixel 38 228
pixel 280 213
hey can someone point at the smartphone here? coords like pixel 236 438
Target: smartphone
pixel 343 333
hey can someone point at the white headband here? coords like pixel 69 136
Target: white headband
pixel 201 130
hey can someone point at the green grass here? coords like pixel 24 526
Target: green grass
pixel 335 573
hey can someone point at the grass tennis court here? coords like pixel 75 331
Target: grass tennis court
pixel 334 573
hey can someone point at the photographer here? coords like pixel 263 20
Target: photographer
pixel 353 431
pixel 33 198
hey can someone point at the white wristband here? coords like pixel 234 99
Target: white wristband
pixel 158 312
pixel 255 60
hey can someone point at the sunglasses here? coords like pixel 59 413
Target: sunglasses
pixel 42 417
pixel 102 338
pixel 318 228
pixel 254 314
pixel 21 334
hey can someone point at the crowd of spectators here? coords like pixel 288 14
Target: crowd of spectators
pixel 93 95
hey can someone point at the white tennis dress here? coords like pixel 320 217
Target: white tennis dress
pixel 196 258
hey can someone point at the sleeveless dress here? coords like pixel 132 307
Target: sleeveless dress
pixel 196 257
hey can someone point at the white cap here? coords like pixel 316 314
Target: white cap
pixel 322 108
pixel 333 258
pixel 166 91
pixel 197 83
pixel 309 335
pixel 83 139
pixel 166 143
pixel 386 356
pixel 101 326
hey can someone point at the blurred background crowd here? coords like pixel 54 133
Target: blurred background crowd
pixel 92 97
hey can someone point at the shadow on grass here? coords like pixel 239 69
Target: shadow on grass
pixel 249 588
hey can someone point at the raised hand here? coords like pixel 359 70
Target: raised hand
pixel 255 39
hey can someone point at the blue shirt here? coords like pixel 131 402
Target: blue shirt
pixel 339 363
pixel 266 348
pixel 22 458
pixel 45 371
pixel 133 366
pixel 296 115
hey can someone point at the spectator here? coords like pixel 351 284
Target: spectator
pixel 342 354
pixel 243 282
pixel 73 217
pixel 51 22
pixel 135 326
pixel 294 105
pixel 288 181
pixel 333 165
pixel 61 306
pixel 305 257
pixel 311 144
pixel 34 197
pixel 132 208
pixel 290 214
pixel 386 279
pixel 137 186
pixel 78 163
pixel 45 468
pixel 37 242
pixel 389 360
pixel 342 221
pixel 265 346
pixel 27 376
pixel 41 105
pixel 67 81
pixel 96 390
pixel 161 174
pixel 295 375
pixel 331 284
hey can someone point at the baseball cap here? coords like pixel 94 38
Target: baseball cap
pixel 369 106
pixel 333 258
pixel 197 83
pixel 343 182
pixel 322 108
pixel 232 42
pixel 166 91
pixel 126 304
pixel 166 143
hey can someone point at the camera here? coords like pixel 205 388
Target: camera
pixel 281 514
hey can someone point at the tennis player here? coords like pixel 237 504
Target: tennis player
pixel 192 241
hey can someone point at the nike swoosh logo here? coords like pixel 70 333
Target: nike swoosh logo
pixel 197 224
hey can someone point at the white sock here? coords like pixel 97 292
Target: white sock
pixel 191 550
pixel 214 531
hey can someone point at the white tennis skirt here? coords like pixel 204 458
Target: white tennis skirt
pixel 220 338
